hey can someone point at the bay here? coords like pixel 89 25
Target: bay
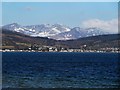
pixel 60 70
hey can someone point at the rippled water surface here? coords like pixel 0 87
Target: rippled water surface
pixel 60 70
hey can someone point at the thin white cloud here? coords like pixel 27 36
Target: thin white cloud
pixel 29 8
pixel 108 26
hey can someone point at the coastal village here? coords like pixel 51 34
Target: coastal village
pixel 60 49
pixel 17 42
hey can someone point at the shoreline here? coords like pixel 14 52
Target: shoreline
pixel 60 51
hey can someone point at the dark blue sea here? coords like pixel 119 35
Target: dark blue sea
pixel 60 70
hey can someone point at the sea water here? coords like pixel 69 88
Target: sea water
pixel 60 70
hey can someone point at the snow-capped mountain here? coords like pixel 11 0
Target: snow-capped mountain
pixel 42 30
pixel 13 27
pixel 74 33
pixel 78 32
pixel 47 30
pixel 55 31
pixel 18 28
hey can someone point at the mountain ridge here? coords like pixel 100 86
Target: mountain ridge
pixel 55 31
pixel 16 40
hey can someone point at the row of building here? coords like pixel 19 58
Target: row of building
pixel 60 49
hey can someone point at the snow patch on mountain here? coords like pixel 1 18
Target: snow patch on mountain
pixel 43 30
pixel 78 32
pixel 55 31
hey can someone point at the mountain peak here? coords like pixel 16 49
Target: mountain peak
pixel 55 31
pixel 14 24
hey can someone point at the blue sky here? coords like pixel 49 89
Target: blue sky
pixel 67 13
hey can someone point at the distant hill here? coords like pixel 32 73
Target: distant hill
pixel 16 40
pixel 95 42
